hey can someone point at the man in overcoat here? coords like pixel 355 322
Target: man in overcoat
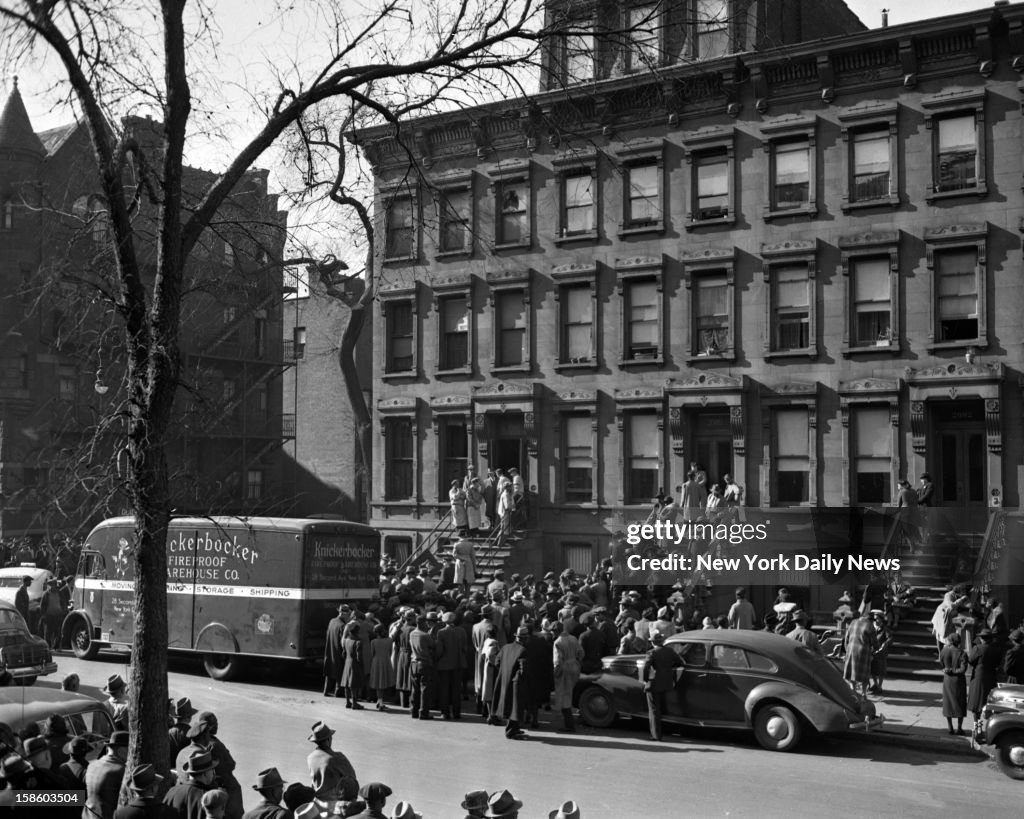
pixel 511 692
pixel 103 778
pixel 424 669
pixel 452 651
pixel 329 770
pixel 334 652
pixel 186 798
pixel 659 680
pixel 143 786
pixel 270 787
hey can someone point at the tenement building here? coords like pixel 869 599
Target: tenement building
pixel 798 264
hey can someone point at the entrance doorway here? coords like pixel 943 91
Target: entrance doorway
pixel 508 444
pixel 959 450
pixel 712 443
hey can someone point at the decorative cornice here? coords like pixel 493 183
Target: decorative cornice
pixel 398 404
pixel 951 233
pixel 706 381
pixel 790 247
pixel 638 263
pixel 790 389
pixel 515 276
pixel 872 386
pixel 504 389
pixel 397 289
pixel 866 111
pixel 954 373
pixel 451 402
pixel 708 255
pixel 452 282
pixel 877 238
pixel 639 395
pixel 574 271
pixel 567 159
pixel 787 125
pixel 578 397
pixel 513 169
pixel 452 180
pixel 640 148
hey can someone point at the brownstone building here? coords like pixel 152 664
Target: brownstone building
pixel 796 264
pixel 59 342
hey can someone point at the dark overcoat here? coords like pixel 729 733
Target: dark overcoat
pixel 334 651
pixel 984 659
pixel 540 669
pixel 352 672
pixel 954 682
pixel 511 694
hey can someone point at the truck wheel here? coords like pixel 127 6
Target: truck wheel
pixel 81 641
pixel 596 707
pixel 1011 754
pixel 222 667
pixel 777 728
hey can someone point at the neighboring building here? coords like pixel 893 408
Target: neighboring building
pixel 60 346
pixel 797 264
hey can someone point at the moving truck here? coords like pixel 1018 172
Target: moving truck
pixel 237 588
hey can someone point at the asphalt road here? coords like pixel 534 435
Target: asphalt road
pixel 265 720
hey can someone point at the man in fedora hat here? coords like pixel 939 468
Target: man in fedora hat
pixel 502 805
pixel 452 659
pixel 74 769
pixel 186 798
pixel 103 778
pixel 659 679
pixel 569 810
pixel 334 651
pixel 328 769
pixel 202 734
pixel 182 713
pixel 143 786
pixel 423 668
pixel 475 804
pixel 375 795
pixel 37 752
pixel 511 691
pixel 270 787
pixel 117 701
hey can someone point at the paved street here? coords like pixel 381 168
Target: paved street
pixel 615 773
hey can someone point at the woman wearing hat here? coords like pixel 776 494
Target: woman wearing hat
pixel 984 659
pixel 352 673
pixel 953 660
pixel 457 498
pixel 382 673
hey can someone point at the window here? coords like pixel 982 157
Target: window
pixel 956 288
pixel 400 229
pixel 399 332
pixel 7 215
pixel 711 188
pixel 512 222
pixel 578 458
pixel 871 177
pixel 712 33
pixel 67 383
pixel 577 317
pixel 454 221
pixel 398 459
pixel 643 196
pixel 642 457
pixel 872 304
pixel 790 297
pixel 578 204
pixel 643 329
pixel 872 447
pixel 792 456
pixel 579 557
pixel 454 317
pixel 711 315
pixel 956 119
pixel 872 155
pixel 454 453
pixel 254 484
pixel 791 181
pixel 579 59
pixel 643 25
pixel 728 657
pixel 511 327
pixel 259 329
pixel 262 400
pixel 299 342
pixel 692 654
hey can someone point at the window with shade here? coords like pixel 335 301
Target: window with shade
pixel 254 484
pixel 871 166
pixel 577 308
pixel 643 328
pixel 643 196
pixel 398 316
pixel 791 174
pixel 643 24
pixel 578 458
pixel 399 241
pixel 642 458
pixel 512 224
pixel 790 308
pixel 711 315
pixel 512 342
pixel 577 204
pixel 956 288
pixel 872 460
pixel 792 456
pixel 956 153
pixel 872 302
pixel 453 231
pixel 398 459
pixel 712 29
pixel 711 191
pixel 579 54
pixel 454 352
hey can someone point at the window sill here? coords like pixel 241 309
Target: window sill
pixel 805 210
pixel 629 229
pixel 719 220
pixel 882 202
pixel 808 352
pixel 589 364
pixel 977 191
pixel 511 245
pixel 590 505
pixel 400 259
pixel 568 238
pixel 657 360
pixel 979 344
pixel 454 254
pixel 696 359
pixel 456 371
pixel 398 375
pixel 892 348
pixel 511 368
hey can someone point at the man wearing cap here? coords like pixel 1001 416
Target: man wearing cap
pixel 177 734
pixel 375 795
pixel 143 785
pixel 452 659
pixel 334 651
pixel 659 679
pixel 74 769
pixel 511 695
pixel 197 774
pixel 328 769
pixel 502 805
pixel 270 787
pixel 117 701
pixel 423 668
pixel 103 779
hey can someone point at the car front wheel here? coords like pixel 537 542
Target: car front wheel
pixel 1011 754
pixel 596 707
pixel 777 728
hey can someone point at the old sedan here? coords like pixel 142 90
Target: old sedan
pixel 734 679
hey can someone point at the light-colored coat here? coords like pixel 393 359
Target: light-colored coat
pixel 567 656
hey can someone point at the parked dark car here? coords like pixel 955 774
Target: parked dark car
pixel 1002 726
pixel 25 656
pixel 734 679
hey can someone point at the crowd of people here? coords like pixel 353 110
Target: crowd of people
pixel 479 505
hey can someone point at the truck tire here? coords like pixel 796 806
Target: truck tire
pixel 222 667
pixel 1011 754
pixel 82 644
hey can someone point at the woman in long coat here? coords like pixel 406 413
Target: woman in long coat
pixel 382 673
pixel 567 656
pixel 860 647
pixel 458 501
pixel 352 674
pixel 984 659
pixel 489 673
pixel 953 660
pixel 474 506
pixel 465 563
pixel 403 668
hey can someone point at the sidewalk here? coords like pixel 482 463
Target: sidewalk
pixel 913 718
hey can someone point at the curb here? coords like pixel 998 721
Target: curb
pixel 939 745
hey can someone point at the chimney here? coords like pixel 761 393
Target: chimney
pixel 885 18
